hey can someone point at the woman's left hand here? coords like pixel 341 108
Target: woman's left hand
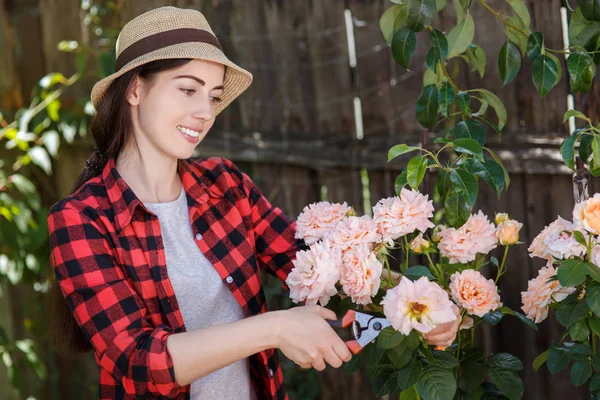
pixel 443 335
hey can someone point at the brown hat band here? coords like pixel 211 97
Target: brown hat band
pixel 164 39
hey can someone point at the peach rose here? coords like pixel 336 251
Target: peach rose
pixel 315 273
pixel 419 244
pixel 477 235
pixel 539 245
pixel 318 220
pixel 353 231
pixel 508 232
pixel 471 291
pixel 399 216
pixel 419 305
pixel 586 215
pixel 541 292
pixel 361 273
pixel 501 217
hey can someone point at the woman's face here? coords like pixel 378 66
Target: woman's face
pixel 174 111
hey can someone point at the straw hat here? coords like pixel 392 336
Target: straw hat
pixel 167 33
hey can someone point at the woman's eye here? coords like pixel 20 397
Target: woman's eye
pixel 215 99
pixel 188 91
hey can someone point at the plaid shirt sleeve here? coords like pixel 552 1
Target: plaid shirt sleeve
pixel 109 311
pixel 276 245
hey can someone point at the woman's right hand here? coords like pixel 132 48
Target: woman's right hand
pixel 304 336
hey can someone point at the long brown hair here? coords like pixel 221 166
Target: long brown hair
pixel 112 130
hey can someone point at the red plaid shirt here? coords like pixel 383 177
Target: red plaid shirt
pixel 108 257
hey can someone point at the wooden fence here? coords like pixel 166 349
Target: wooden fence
pixel 294 129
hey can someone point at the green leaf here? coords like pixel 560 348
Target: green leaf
pixel 465 182
pixel 585 83
pixel 400 149
pixel 389 338
pixel 468 146
pixel 558 65
pixel 592 298
pixel 595 382
pixel 508 382
pixel 567 150
pixel 490 172
pixel 590 9
pixel 571 273
pixel 576 114
pixel 404 43
pixel 497 159
pixel 473 373
pixel 595 153
pixel 579 238
pixel 540 360
pixel 457 208
pixel 594 323
pixel 410 394
pixel 413 340
pixel 420 14
pixel 461 36
pixel 526 321
pixel 495 102
pixel 427 106
pixel 513 30
pixel 416 171
pixel 401 181
pixel 544 73
pixel 581 30
pixel 436 384
pixel 445 98
pixel 581 371
pixel 464 102
pixel 585 147
pixel 579 331
pixel 444 359
pixel 440 5
pixel 492 317
pixel 577 64
pixel 535 45
pixel 443 183
pixel 476 57
pixel 504 361
pixel 400 355
pixel 558 359
pixel 521 9
pixel 509 62
pixel 392 19
pixel 568 314
pixel 417 271
pixel 409 374
pixel 470 129
pixel 439 49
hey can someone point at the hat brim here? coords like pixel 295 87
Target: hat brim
pixel 236 81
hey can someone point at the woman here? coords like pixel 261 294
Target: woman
pixel 158 258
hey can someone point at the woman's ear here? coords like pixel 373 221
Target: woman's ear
pixel 134 92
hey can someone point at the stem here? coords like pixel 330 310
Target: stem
pixel 406 254
pixel 387 264
pixel 472 337
pixel 501 269
pixel 447 75
pixel 435 268
pixel 501 19
pixel 593 342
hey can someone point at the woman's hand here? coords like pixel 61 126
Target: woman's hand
pixel 305 337
pixel 443 335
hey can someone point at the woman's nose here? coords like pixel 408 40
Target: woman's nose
pixel 204 110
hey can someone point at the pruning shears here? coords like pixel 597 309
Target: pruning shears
pixel 365 328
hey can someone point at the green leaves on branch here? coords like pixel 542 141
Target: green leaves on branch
pixel 420 14
pixel 404 43
pixel 438 51
pixel 590 9
pixel 509 62
pixel 545 74
pixel 461 36
pixel 427 106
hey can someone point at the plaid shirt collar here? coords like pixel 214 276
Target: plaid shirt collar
pixel 124 201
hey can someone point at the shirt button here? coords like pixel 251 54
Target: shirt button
pixel 198 236
pixel 229 279
pixel 271 372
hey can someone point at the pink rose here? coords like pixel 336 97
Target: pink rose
pixel 477 235
pixel 315 273
pixel 361 273
pixel 473 292
pixel 399 216
pixel 318 220
pixel 539 245
pixel 420 305
pixel 353 231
